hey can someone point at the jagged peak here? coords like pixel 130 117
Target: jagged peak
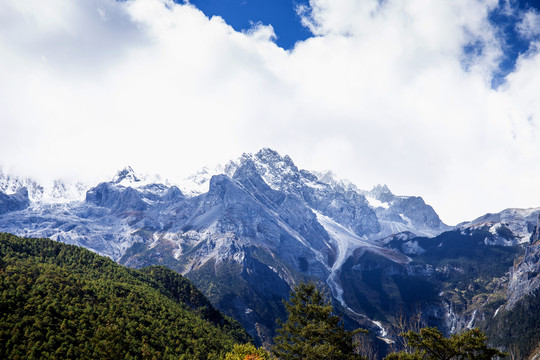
pixel 327 177
pixel 330 178
pixel 380 189
pixel 382 194
pixel 271 158
pixel 267 153
pixel 269 164
pixel 246 166
pixel 126 175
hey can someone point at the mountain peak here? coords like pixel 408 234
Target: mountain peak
pixel 269 156
pixel 276 170
pixel 330 178
pixel 126 175
pixel 380 189
pixel 267 153
pixel 381 193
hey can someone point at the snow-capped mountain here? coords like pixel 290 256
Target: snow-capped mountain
pixel 247 231
pixel 375 214
pixel 510 226
pixel 59 191
pixel 259 210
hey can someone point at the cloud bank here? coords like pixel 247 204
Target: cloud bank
pixel 396 92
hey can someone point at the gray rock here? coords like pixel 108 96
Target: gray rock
pixel 15 202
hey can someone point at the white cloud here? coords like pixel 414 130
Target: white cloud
pixel 529 26
pixel 381 95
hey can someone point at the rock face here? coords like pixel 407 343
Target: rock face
pixel 250 230
pixel 519 223
pixel 15 202
pixel 525 275
pixel 404 213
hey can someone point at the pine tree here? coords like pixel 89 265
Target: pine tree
pixel 312 331
pixel 430 344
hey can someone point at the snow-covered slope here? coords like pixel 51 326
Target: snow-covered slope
pixel 259 217
pixel 514 226
pixel 198 183
pixel 347 242
pixel 57 191
pixel 247 231
pixel 376 213
pixel 256 197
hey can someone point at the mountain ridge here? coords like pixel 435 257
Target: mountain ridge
pixel 268 224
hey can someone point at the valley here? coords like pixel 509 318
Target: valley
pixel 246 232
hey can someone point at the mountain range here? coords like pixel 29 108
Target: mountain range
pixel 245 232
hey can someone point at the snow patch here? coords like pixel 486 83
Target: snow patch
pixel 470 325
pixel 376 203
pixel 497 311
pixel 412 248
pixel 199 183
pixel 346 243
pixel 383 333
pixel 494 228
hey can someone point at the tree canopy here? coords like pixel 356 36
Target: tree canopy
pixel 312 330
pixel 430 344
pixel 248 352
pixel 65 302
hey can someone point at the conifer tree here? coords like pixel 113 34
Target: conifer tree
pixel 312 330
pixel 430 344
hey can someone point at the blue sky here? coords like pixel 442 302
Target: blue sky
pixel 284 18
pixel 435 98
pixel 241 14
pixel 516 44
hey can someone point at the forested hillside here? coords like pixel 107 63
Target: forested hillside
pixel 65 302
pixel 518 329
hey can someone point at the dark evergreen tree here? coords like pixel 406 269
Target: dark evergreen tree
pixel 430 344
pixel 312 330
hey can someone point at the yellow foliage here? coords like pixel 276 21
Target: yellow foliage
pixel 248 352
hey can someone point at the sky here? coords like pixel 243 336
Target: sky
pixel 436 98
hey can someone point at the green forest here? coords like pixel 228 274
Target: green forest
pixel 65 302
pixel 60 301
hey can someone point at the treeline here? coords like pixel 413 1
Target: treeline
pixel 313 332
pixel 65 302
